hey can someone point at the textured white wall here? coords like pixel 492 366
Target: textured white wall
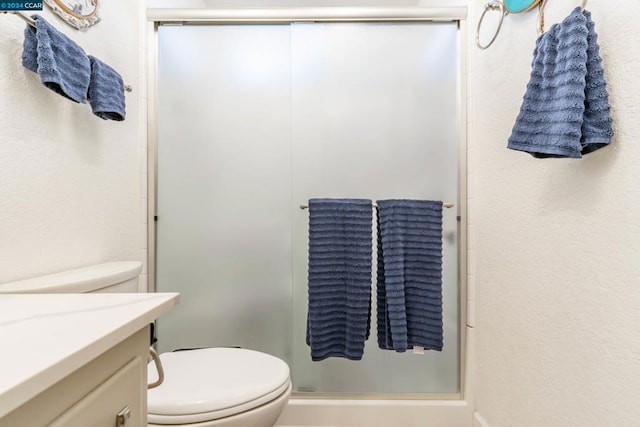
pixel 555 243
pixel 69 181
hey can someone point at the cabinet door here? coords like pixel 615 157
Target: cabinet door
pixel 101 407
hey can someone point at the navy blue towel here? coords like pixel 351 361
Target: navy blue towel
pixel 409 288
pixel 106 91
pixel 340 250
pixel 565 111
pixel 63 66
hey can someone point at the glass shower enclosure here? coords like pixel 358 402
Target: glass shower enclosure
pixel 254 120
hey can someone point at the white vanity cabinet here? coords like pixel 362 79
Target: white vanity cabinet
pixel 95 393
pixel 99 382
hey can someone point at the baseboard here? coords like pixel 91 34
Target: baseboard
pixel 479 421
pixel 375 413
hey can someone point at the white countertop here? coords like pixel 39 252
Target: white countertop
pixel 46 337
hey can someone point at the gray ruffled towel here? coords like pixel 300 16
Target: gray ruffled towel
pixel 340 250
pixel 409 289
pixel 63 66
pixel 106 91
pixel 565 111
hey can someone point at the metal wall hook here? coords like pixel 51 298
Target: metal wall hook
pixel 491 6
pixel 540 25
pixel 540 21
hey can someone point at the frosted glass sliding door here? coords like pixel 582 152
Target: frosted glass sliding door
pixel 224 186
pixel 254 120
pixel 375 116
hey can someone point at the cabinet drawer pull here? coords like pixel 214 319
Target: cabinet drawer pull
pixel 122 419
pixel 158 363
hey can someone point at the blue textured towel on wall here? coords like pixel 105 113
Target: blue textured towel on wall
pixel 565 110
pixel 409 289
pixel 63 66
pixel 106 91
pixel 340 250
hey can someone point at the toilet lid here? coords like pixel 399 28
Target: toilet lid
pixel 212 383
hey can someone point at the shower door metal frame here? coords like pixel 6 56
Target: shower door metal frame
pixel 458 403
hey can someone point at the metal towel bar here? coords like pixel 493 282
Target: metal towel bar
pixel 375 206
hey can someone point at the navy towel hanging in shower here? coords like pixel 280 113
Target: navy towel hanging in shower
pixel 409 288
pixel 340 250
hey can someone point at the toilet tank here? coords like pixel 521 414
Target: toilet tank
pixel 110 277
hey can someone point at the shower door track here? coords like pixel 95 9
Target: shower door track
pixel 304 14
pixel 451 409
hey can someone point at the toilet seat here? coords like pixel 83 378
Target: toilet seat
pixel 212 383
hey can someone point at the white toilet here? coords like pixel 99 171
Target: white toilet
pixel 212 387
